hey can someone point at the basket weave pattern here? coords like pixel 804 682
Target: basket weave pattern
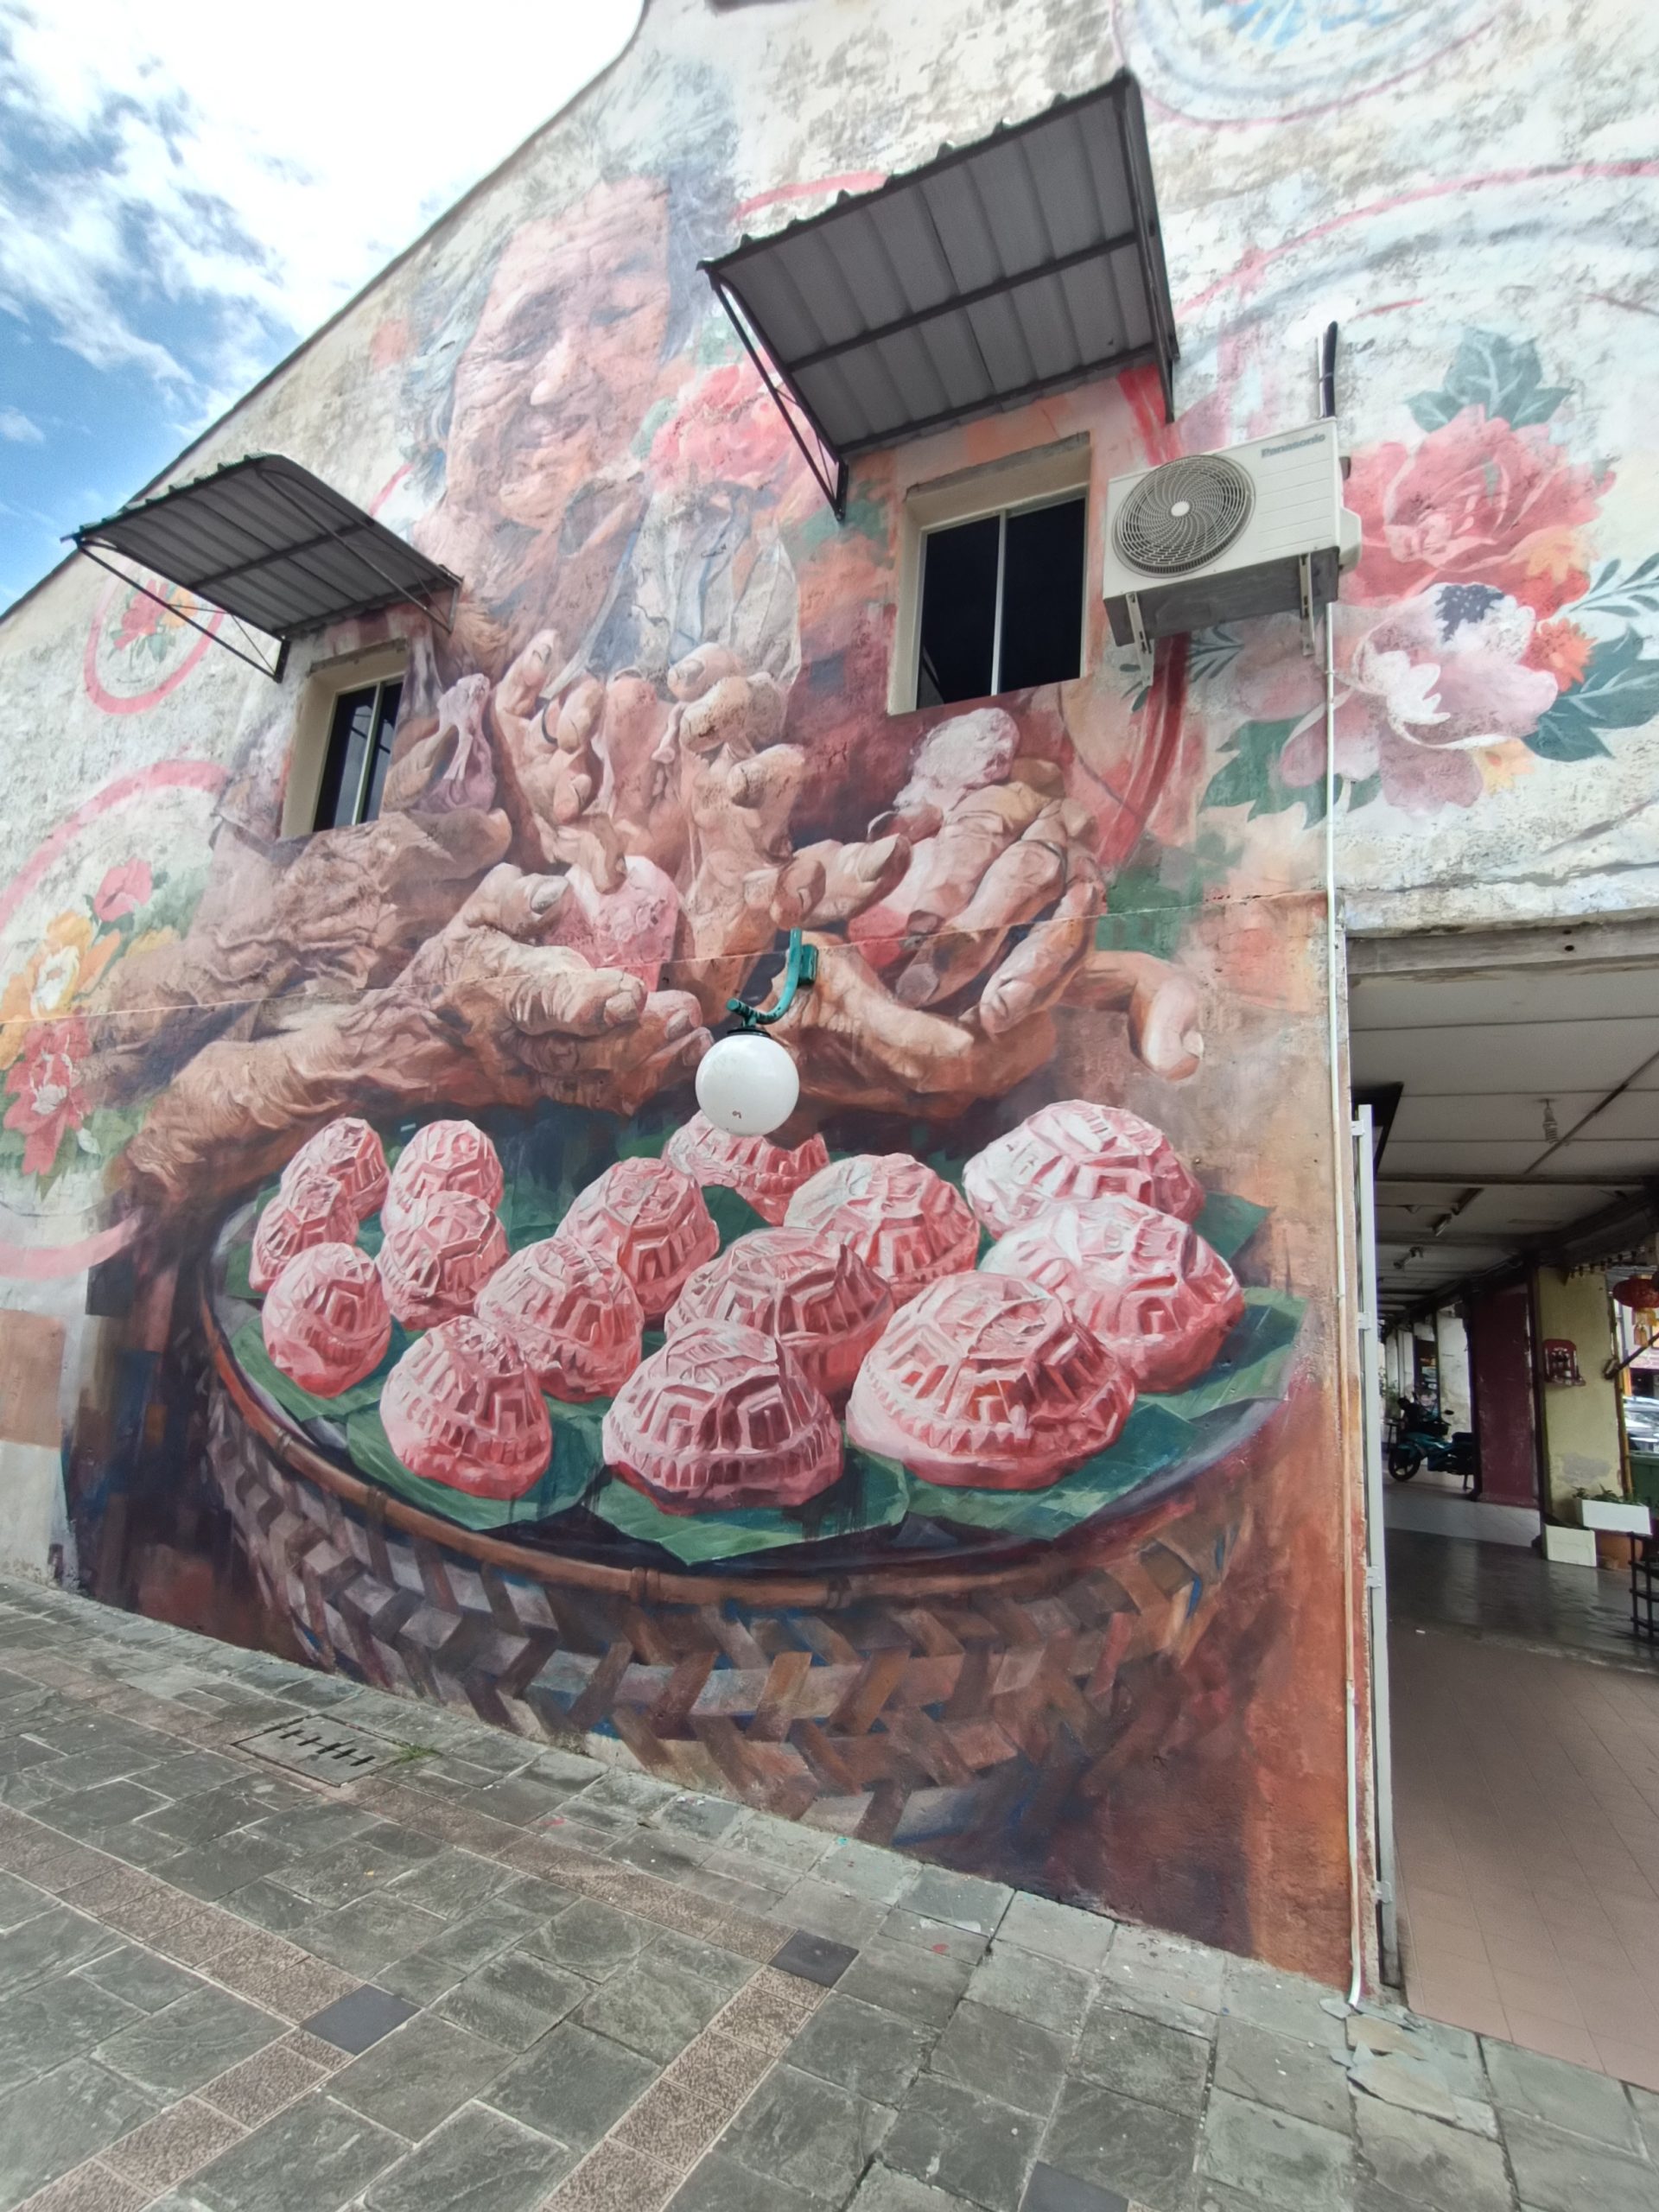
pixel 975 1706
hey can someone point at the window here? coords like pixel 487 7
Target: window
pixel 1002 601
pixel 360 751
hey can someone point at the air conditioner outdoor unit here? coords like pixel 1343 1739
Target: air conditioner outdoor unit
pixel 1215 537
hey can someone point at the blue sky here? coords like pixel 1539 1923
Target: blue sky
pixel 185 195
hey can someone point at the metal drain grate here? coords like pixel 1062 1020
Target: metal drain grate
pixel 322 1748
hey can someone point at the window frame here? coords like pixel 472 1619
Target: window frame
pixel 1003 515
pixel 1040 477
pixel 313 721
pixel 377 686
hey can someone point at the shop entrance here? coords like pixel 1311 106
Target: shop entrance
pixel 1511 1080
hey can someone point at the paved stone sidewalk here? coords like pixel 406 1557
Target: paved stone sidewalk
pixel 479 1974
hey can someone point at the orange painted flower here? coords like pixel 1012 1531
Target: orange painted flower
pixel 65 966
pixel 1562 649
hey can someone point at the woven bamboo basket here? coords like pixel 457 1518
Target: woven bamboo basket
pixel 951 1706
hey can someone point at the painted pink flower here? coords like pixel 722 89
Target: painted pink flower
pixel 124 890
pixel 1421 690
pixel 47 1101
pixel 1478 501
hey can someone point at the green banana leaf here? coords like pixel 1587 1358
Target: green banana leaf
pixel 1227 1224
pixel 872 1493
pixel 570 1473
pixel 1161 1435
pixel 257 1363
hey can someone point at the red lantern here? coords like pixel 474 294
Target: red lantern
pixel 1639 1293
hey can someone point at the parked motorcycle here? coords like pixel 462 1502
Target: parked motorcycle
pixel 1420 1439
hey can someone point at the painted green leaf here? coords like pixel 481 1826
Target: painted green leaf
pixel 1252 776
pixel 1161 1435
pixel 1620 691
pixel 1228 1224
pixel 257 1363
pixel 1504 378
pixel 872 1493
pixel 1362 792
pixel 1433 409
pixel 569 1474
pixel 733 1216
pixel 1623 598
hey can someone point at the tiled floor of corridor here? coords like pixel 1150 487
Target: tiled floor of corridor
pixel 485 1975
pixel 1527 1817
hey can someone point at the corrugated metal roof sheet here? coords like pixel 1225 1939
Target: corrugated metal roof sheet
pixel 998 272
pixel 273 545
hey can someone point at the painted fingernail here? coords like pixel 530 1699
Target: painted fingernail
pixel 1194 1044
pixel 622 1006
pixel 547 895
pixel 676 1025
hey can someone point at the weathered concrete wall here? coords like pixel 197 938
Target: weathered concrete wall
pixel 544 394
pixel 1581 1435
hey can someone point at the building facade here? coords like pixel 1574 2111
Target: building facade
pixel 1145 1685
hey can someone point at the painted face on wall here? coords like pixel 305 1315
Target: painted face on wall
pixel 565 360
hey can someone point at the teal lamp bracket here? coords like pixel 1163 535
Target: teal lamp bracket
pixel 800 971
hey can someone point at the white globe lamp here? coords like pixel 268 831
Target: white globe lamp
pixel 747 1084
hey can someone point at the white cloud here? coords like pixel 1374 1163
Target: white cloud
pixel 17 426
pixel 188 192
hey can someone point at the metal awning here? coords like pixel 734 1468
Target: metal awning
pixel 998 272
pixel 274 547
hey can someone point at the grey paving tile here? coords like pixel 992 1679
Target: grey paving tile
pixel 176 2049
pixel 594 1939
pixel 573 2086
pixel 873 2054
pixel 452 1884
pixel 814 1957
pixel 1298 2167
pixel 777 1843
pixel 960 1900
pixel 1002 2057
pixel 1143 2151
pixel 211 1870
pixel 669 1857
pixel 1555 2171
pixel 899 1978
pixel 884 2190
pixel 49 1945
pixel 807 2133
pixel 882 1877
pixel 1289 2004
pixel 43 2026
pixel 689 1813
pixel 139 1977
pixel 359 2019
pixel 189 1773
pixel 754 1876
pixel 50 2125
pixel 724 1968
pixel 369 1933
pixel 276 1974
pixel 655 2006
pixel 1426 2162
pixel 1566 2096
pixel 1285 2072
pixel 514 1999
pixel 937 1937
pixel 769 2010
pixel 210 1813
pixel 1165 1978
pixel 1031 1988
pixel 137 1845
pixel 1147 2059
pixel 1051 2190
pixel 479 2161
pixel 956 2140
pixel 313 1828
pixel 417 2075
pixel 718 2184
pixel 458 1949
pixel 692 2100
pixel 821 1910
pixel 268 1904
pixel 262 2085
pixel 314 2157
pixel 174 2144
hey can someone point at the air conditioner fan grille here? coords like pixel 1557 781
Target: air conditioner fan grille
pixel 1183 514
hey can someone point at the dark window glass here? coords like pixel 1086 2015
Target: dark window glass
pixel 1042 596
pixel 1035 558
pixel 958 612
pixel 360 751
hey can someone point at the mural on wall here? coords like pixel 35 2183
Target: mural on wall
pixel 956 1469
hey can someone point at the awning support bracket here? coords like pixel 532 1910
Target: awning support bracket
pixel 274 670
pixel 828 469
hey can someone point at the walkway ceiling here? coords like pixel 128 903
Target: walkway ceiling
pixel 1528 1120
pixel 273 546
pixel 1029 260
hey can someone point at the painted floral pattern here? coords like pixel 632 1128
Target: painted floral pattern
pixel 1475 634
pixel 44 1083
